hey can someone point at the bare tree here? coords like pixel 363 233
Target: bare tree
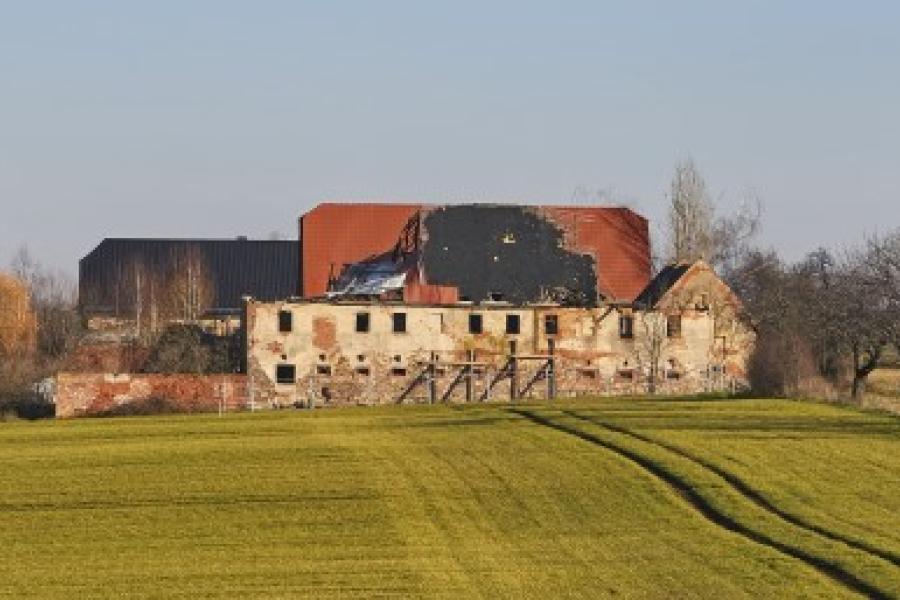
pixel 690 215
pixel 826 317
pixel 188 290
pixel 584 196
pixel 884 270
pixel 145 287
pixel 866 307
pixel 651 338
pixel 697 233
pixel 53 297
pixel 732 234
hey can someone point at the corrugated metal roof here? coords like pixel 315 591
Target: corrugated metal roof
pixel 369 279
pixel 264 269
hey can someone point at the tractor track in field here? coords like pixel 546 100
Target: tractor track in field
pixel 748 492
pixel 710 512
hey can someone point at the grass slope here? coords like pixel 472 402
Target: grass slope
pixel 478 501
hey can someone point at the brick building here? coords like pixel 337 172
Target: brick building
pixel 684 337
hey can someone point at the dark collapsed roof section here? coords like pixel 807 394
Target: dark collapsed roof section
pixel 483 251
pixel 264 269
pixel 660 284
pixel 510 250
pixel 338 234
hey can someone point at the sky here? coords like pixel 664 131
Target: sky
pixel 219 118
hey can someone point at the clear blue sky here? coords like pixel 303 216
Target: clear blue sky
pixel 218 118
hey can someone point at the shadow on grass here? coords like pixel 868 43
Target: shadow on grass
pixel 747 491
pixel 684 489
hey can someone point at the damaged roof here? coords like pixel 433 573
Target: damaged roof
pixel 336 234
pixel 659 285
pixel 369 278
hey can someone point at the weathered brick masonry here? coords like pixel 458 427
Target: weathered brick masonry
pixel 81 394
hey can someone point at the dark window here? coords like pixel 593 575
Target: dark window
pixel 512 324
pixel 323 369
pixel 362 322
pixel 398 372
pixel 476 324
pixel 673 326
pixel 626 326
pixel 286 374
pixel 285 321
pixel 399 322
pixel 363 371
pixel 551 324
pixel 587 373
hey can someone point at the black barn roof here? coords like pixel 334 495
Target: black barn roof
pixel 264 269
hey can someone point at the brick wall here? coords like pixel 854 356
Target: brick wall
pixel 79 394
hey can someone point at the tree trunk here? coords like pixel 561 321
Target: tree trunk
pixel 859 386
pixel 861 369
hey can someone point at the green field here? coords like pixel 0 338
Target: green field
pixel 605 498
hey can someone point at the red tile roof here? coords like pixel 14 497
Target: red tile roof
pixel 334 234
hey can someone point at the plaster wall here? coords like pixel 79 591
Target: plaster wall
pixel 336 364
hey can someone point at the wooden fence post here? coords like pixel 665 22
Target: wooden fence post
pixel 551 370
pixel 513 372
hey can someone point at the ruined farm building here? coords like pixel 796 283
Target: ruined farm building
pixel 476 302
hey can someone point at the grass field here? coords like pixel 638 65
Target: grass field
pixel 605 498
